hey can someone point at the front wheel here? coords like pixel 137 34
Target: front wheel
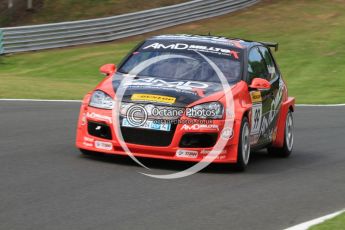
pixel 243 153
pixel 286 150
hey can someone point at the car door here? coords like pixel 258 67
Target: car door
pixel 261 99
pixel 276 91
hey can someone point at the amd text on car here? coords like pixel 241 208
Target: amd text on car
pixel 174 106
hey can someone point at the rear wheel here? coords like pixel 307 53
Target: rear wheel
pixel 286 150
pixel 243 153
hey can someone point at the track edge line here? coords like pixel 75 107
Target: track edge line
pixel 308 224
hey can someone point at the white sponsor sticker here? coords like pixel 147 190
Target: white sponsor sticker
pixel 186 153
pixel 202 48
pixel 88 144
pixel 206 152
pixel 99 117
pixel 256 118
pixel 89 139
pixel 103 145
pixel 199 126
pixel 148 125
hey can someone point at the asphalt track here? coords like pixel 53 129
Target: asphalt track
pixel 47 184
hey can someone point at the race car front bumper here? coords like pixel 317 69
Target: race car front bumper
pixel 97 131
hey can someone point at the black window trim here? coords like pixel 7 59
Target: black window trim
pixel 257 47
pixel 274 63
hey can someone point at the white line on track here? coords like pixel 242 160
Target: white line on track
pixel 44 100
pixel 308 224
pixel 328 105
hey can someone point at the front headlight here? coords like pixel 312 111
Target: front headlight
pixel 211 110
pixel 101 100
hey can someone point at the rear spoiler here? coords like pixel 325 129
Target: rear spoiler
pixel 271 45
pixel 274 45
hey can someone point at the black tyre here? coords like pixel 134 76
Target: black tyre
pixel 243 153
pixel 286 150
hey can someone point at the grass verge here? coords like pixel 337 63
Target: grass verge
pixel 311 55
pixel 337 223
pixel 48 11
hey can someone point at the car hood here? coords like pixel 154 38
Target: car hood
pixel 179 93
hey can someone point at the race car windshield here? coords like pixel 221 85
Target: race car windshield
pixel 182 65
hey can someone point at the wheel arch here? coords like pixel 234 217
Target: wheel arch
pixel 287 106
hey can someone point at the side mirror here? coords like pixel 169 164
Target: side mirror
pixel 108 69
pixel 260 83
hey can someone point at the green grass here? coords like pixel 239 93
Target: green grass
pixel 68 10
pixel 311 56
pixel 58 74
pixel 337 223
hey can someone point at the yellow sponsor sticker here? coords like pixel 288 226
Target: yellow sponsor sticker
pixel 256 96
pixel 153 98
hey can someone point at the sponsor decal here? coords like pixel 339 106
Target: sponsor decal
pixel 103 145
pixel 153 98
pixel 87 144
pixel 275 105
pixel 256 118
pixel 199 126
pixel 221 157
pixel 186 153
pixel 89 139
pixel 99 117
pixel 207 151
pixel 150 81
pixel 201 48
pixel 147 125
pixel 256 96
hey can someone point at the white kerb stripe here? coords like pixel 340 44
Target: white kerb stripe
pixel 327 105
pixel 308 224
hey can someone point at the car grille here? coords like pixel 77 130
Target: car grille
pixel 198 140
pixel 148 137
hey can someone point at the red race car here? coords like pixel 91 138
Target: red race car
pixel 168 100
